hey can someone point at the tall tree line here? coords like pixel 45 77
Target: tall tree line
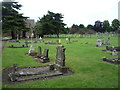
pixel 98 27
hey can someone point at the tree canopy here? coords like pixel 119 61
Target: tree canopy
pixel 51 23
pixel 12 21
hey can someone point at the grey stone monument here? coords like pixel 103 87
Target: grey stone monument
pixel 60 60
pixel 39 51
pixel 45 58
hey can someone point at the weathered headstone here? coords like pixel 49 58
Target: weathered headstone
pixel 32 50
pixel 107 41
pixel 60 60
pixel 45 58
pixel 12 74
pixel 39 51
pixel 114 52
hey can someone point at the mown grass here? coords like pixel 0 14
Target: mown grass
pixel 85 60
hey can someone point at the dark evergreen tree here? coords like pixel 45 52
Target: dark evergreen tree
pixel 12 21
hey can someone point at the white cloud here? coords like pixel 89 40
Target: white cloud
pixel 74 11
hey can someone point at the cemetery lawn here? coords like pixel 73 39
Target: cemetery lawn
pixel 85 60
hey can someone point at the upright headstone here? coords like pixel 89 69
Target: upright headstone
pixel 12 74
pixel 45 58
pixel 103 42
pixel 60 60
pixel 107 41
pixel 98 43
pixel 26 42
pixel 32 50
pixel 39 51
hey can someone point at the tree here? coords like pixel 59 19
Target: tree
pixel 115 24
pixel 75 26
pixel 81 26
pixel 12 21
pixel 106 26
pixel 51 23
pixel 89 26
pixel 98 26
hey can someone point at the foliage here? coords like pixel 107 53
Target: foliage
pixel 50 23
pixel 12 21
pixel 106 26
pixel 81 26
pixel 89 26
pixel 98 27
pixel 115 24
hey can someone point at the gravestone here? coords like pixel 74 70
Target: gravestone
pixel 107 41
pixel 115 60
pixel 57 41
pixel 98 43
pixel 32 50
pixel 12 74
pixel 45 58
pixel 31 73
pixel 60 60
pixel 103 42
pixel 39 51
pixel 114 52
pixel 26 42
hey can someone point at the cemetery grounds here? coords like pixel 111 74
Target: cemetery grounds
pixel 85 60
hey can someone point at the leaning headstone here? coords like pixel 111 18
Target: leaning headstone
pixel 60 60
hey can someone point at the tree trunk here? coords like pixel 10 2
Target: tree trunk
pixel 19 33
pixel 13 35
pixel 24 34
pixel 57 33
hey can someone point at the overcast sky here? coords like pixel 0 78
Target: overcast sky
pixel 74 11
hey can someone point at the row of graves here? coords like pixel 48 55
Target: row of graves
pixel 17 74
pixel 68 41
pixel 103 42
pixel 114 52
